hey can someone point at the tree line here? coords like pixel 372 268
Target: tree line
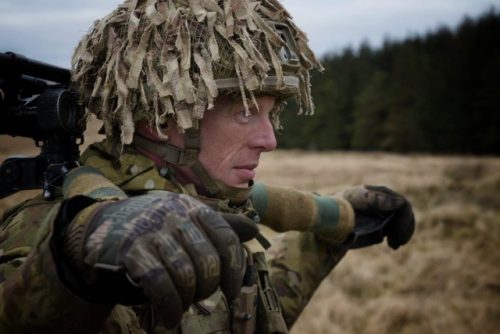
pixel 437 93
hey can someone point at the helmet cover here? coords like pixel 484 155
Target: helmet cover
pixel 155 59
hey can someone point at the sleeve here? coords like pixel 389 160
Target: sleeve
pixel 32 297
pixel 297 263
pixel 302 257
pixel 286 209
pixel 34 294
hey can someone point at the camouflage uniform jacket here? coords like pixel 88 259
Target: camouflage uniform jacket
pixel 34 300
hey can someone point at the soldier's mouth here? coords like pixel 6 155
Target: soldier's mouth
pixel 246 172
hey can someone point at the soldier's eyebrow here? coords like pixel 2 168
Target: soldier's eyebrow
pixel 254 107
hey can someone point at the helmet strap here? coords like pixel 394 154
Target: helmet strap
pixel 177 156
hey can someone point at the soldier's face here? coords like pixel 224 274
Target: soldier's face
pixel 231 142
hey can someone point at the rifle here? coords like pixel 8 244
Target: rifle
pixel 36 101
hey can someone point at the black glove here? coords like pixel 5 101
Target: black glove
pixel 170 247
pixel 379 212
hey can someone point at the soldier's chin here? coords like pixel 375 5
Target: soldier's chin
pixel 241 177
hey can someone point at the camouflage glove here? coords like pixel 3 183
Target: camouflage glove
pixel 379 212
pixel 168 247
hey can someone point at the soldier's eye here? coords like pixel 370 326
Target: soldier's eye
pixel 243 117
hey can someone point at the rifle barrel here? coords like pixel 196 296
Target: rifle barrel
pixel 14 64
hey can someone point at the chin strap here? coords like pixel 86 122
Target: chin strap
pixel 177 156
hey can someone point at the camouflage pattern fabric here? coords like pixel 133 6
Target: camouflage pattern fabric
pixel 157 59
pixel 33 299
pixel 298 262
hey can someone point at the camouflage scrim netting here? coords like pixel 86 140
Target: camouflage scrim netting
pixel 153 59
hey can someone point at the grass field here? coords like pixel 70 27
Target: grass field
pixel 446 280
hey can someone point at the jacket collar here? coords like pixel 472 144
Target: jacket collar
pixel 134 172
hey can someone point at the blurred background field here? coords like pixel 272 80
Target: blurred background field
pixel 446 280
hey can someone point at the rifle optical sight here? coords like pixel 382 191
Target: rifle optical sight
pixel 35 107
pixel 37 102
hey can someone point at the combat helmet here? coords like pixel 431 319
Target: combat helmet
pixel 158 59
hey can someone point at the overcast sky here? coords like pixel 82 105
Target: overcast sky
pixel 48 30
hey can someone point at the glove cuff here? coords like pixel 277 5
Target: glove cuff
pixel 91 283
pixel 75 237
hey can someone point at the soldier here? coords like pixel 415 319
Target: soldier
pixel 147 236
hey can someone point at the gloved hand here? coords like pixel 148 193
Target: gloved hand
pixel 379 212
pixel 172 248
